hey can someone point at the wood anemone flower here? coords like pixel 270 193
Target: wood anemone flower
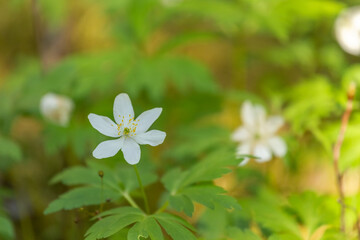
pixel 130 132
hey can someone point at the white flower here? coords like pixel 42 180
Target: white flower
pixel 257 136
pixel 128 131
pixel 56 108
pixel 347 30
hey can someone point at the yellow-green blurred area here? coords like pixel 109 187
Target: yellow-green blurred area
pixel 199 60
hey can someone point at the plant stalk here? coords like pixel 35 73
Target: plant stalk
pixel 336 154
pixel 142 190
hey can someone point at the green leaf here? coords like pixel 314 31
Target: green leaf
pixel 313 210
pixel 214 166
pixel 174 226
pixel 171 217
pixel 147 228
pixel 6 228
pixel 182 202
pixel 110 225
pixel 77 175
pixel 267 211
pixel 128 178
pixel 10 152
pixel 224 14
pixel 137 232
pixel 236 233
pixel 83 196
pixel 209 195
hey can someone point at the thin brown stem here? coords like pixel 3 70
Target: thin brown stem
pixel 337 151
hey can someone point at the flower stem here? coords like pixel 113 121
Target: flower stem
pixel 163 207
pixel 130 200
pixel 142 190
pixel 336 155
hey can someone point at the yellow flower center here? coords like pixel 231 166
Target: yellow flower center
pixel 126 131
pixel 127 128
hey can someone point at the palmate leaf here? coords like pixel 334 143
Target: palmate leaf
pixel 212 167
pixel 83 196
pixel 193 185
pixel 144 226
pixel 147 228
pixel 209 195
pixel 112 224
pixel 115 184
pixel 154 75
pixel 77 175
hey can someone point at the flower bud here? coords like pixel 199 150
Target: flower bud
pixel 351 90
pixel 101 173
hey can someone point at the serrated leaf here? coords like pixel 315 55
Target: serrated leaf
pixel 182 202
pixel 137 232
pixel 209 195
pixel 171 217
pixel 174 226
pixel 147 228
pixel 112 224
pixel 214 166
pixel 83 196
pixel 77 175
pixel 267 211
pixel 117 211
pixel 128 178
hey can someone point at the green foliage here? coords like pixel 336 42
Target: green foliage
pixel 6 229
pixel 235 233
pixel 155 75
pixel 83 196
pixel 115 184
pixel 199 60
pixel 112 221
pixel 10 152
pixel 193 184
pixel 307 211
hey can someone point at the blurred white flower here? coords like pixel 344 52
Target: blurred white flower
pixel 129 132
pixel 347 30
pixel 257 136
pixel 56 108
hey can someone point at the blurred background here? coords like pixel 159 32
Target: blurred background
pixel 198 60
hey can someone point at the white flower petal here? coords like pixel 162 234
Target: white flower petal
pixel 104 125
pixel 123 108
pixel 131 151
pixel 274 123
pixel 146 119
pixel 278 146
pixel 241 134
pixel 243 149
pixel 244 162
pixel 262 152
pixel 248 114
pixel 260 115
pixel 253 116
pixel 108 148
pixel 152 138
